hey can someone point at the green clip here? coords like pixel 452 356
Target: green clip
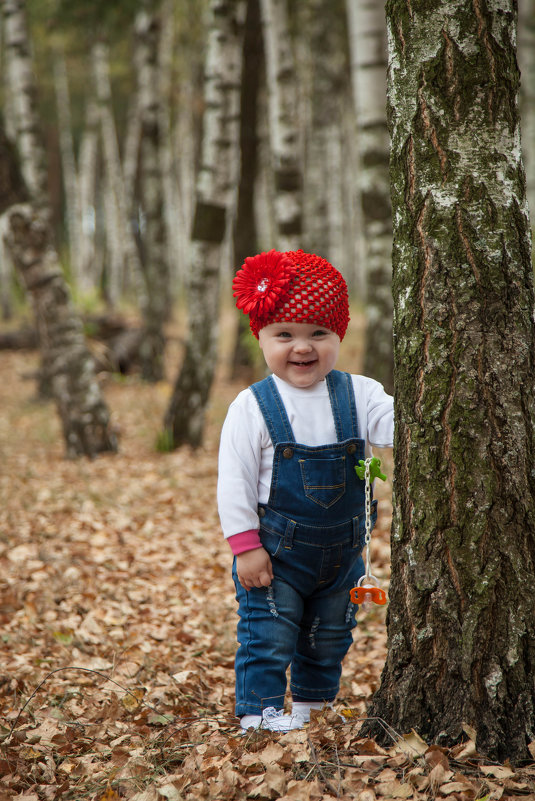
pixel 375 469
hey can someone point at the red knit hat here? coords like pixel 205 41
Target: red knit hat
pixel 292 287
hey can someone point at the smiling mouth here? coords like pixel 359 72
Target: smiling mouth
pixel 304 363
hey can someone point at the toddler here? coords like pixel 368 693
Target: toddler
pixel 291 505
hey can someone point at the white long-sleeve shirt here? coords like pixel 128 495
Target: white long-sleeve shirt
pixel 246 450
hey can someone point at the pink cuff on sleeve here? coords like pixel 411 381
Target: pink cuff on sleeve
pixel 244 541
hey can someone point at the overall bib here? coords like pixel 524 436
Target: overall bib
pixel 313 527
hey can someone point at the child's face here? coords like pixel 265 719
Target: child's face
pixel 300 353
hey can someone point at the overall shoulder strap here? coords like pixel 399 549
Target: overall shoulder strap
pixel 272 408
pixel 342 397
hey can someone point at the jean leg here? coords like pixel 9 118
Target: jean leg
pixel 325 637
pixel 268 629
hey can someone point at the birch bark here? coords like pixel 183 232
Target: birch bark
pixel 89 276
pixel 283 129
pixel 175 229
pixel 154 262
pixel 184 153
pixel 323 81
pixel 22 90
pixel 216 183
pixel 67 370
pixel 461 630
pixel 526 60
pixel 73 211
pixel 6 266
pixel 245 235
pixel 122 249
pixel 367 39
pixel 6 272
pixel 27 234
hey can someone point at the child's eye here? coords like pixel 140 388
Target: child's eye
pixel 284 334
pixel 319 333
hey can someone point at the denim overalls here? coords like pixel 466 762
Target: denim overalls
pixel 313 527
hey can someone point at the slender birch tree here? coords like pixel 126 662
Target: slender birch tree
pixel 323 81
pixel 83 413
pixel 526 60
pixel 174 223
pixel 283 124
pixel 6 267
pixel 123 256
pixel 367 39
pixel 461 629
pixel 89 256
pixel 245 236
pixel 215 197
pixel 23 92
pixel 73 210
pixel 154 258
pixel 67 366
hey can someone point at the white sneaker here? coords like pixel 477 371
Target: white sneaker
pixel 272 720
pixel 275 720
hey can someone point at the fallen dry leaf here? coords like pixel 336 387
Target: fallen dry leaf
pixel 394 789
pixel 272 785
pixel 498 771
pixel 439 775
pixel 303 791
pixel 411 745
pixel 435 755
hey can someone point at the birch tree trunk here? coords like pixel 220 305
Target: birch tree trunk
pixel 184 156
pixel 526 60
pixel 216 185
pixel 322 80
pixel 367 40
pixel 23 92
pixel 89 276
pixel 115 210
pixel 122 250
pixel 6 271
pixel 154 262
pixel 245 236
pixel 27 234
pixel 73 211
pixel 175 229
pixel 283 129
pixel 67 372
pixel 131 151
pixel 352 231
pixel 6 266
pixel 461 629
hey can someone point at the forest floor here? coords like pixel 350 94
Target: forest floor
pixel 118 630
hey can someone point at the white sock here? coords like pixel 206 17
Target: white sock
pixel 302 708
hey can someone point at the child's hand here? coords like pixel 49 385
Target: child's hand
pixel 254 568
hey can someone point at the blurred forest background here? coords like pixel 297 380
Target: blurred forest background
pixel 166 140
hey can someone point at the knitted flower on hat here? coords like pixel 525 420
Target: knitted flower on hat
pixel 262 282
pixel 293 287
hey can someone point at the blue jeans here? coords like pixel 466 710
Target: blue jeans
pixel 304 619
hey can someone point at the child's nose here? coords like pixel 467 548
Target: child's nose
pixel 302 346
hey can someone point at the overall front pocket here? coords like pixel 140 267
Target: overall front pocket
pixel 324 480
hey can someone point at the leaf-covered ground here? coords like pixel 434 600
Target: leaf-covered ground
pixel 118 632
